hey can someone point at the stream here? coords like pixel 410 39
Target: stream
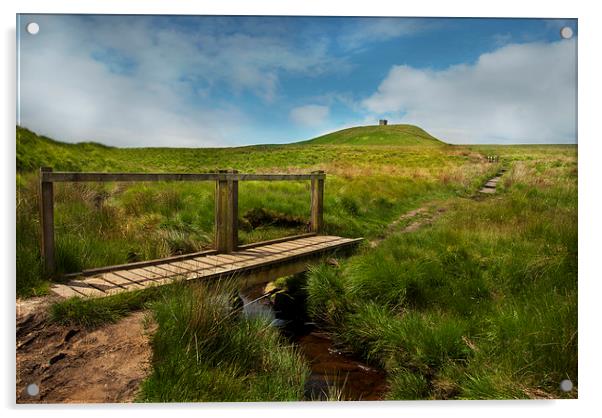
pixel 335 374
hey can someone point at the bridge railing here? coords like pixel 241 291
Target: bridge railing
pixel 226 201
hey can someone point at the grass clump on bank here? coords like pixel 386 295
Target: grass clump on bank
pixel 205 350
pixel 93 312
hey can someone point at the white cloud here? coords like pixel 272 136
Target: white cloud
pixel 520 93
pixel 310 115
pixel 366 30
pixel 133 82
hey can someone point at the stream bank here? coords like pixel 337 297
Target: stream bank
pixel 336 374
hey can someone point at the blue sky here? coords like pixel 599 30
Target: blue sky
pixel 222 81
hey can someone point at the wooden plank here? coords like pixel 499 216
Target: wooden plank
pixel 146 278
pixel 65 176
pixel 232 221
pixel 210 262
pixel 137 264
pixel 196 265
pixel 275 177
pixel 65 291
pixel 275 253
pixel 85 289
pixel 318 239
pixel 275 241
pixel 239 260
pixel 289 244
pixel 176 269
pixel 284 248
pixel 126 283
pixel 300 246
pixel 127 177
pixel 107 287
pixel 155 276
pixel 317 202
pixel 221 204
pixel 226 213
pixel 255 253
pixel 233 258
pixel 137 279
pixel 264 252
pixel 223 262
pixel 47 222
pixel 160 271
pixel 187 266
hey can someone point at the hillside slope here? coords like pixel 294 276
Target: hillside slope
pixel 377 135
pixel 35 151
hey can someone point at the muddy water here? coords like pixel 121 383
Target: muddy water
pixel 335 374
pixel 338 374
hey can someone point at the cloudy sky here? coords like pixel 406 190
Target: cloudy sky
pixel 191 81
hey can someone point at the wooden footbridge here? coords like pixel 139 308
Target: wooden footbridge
pixel 249 264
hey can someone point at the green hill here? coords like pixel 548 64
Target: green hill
pixel 378 135
pixel 35 151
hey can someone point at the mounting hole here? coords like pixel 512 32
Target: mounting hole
pixel 566 33
pixel 32 28
pixel 33 389
pixel 566 385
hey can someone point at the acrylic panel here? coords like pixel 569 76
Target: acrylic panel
pixel 290 208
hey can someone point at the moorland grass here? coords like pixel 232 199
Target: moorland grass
pixel 481 305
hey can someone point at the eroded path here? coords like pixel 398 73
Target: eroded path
pixel 412 220
pixel 76 365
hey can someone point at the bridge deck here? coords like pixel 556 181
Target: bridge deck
pixel 253 265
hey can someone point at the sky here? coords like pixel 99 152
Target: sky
pixel 212 81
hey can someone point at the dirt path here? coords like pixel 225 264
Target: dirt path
pixel 413 220
pixel 76 365
pixel 427 214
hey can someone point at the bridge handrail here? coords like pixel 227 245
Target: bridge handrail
pixel 72 176
pixel 226 201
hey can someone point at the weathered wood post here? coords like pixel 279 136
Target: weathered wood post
pixel 226 211
pixel 47 222
pixel 317 201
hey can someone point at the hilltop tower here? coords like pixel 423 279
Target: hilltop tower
pixel 382 122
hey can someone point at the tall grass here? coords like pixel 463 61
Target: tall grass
pixel 483 304
pixel 205 350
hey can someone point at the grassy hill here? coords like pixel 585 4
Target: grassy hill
pixel 378 135
pixel 35 151
pixel 398 150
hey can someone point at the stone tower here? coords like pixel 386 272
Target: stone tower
pixel 382 122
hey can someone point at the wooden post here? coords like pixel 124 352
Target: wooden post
pixel 317 201
pixel 47 222
pixel 226 212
